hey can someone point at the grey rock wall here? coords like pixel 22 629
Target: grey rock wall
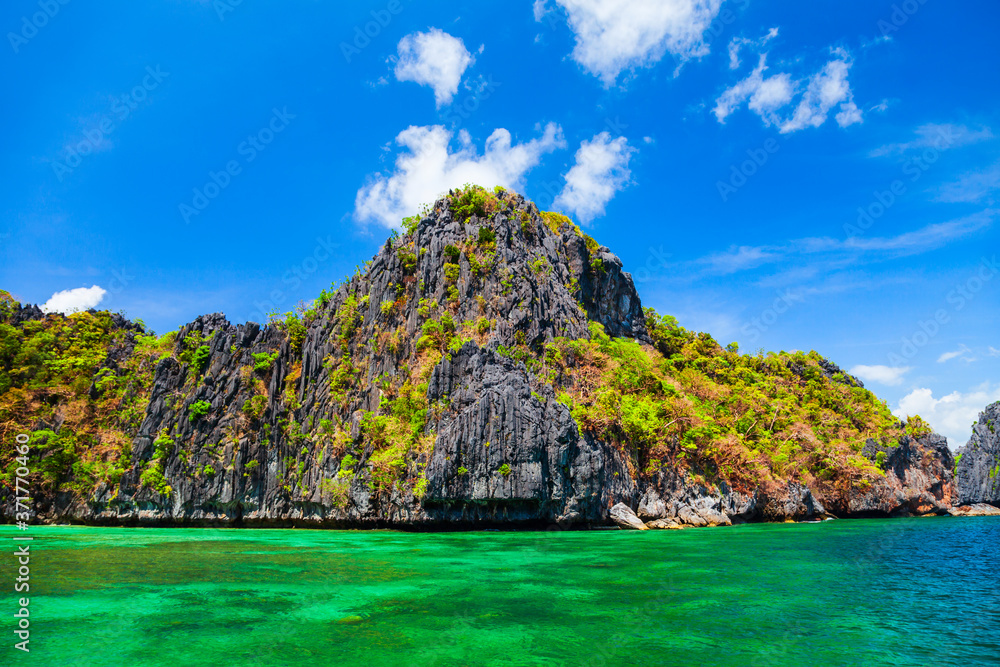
pixel 978 469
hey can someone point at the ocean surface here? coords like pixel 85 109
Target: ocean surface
pixel 878 592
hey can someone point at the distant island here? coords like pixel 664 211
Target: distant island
pixel 491 366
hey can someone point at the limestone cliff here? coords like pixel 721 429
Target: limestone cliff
pixel 491 366
pixel 978 468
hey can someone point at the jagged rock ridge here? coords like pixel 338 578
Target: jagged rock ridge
pixel 440 344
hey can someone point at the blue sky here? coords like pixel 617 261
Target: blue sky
pixel 787 175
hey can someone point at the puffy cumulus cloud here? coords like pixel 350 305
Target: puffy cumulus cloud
pixel 826 89
pixel 951 415
pixel 768 95
pixel 428 168
pixel 436 59
pixel 601 170
pixel 881 374
pixel 74 300
pixel 763 95
pixel 613 36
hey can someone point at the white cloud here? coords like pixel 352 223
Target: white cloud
pixel 882 374
pixel 601 170
pixel 740 258
pixel 925 238
pixel 972 187
pixel 940 136
pixel 763 95
pixel 738 43
pixel 540 9
pixel 960 352
pixel 826 90
pixel 993 352
pixel 824 253
pixel 74 300
pixel 613 36
pixel 849 114
pixel 951 415
pixel 881 107
pixel 428 169
pixel 771 94
pixel 767 95
pixel 433 58
pixel 878 41
pixel 734 51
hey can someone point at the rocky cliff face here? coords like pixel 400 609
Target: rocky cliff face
pixel 422 393
pixel 978 468
pixel 918 479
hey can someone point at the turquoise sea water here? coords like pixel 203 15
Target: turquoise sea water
pixel 892 592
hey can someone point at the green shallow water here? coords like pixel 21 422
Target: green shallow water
pixel 899 592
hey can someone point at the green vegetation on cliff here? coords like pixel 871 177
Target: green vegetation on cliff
pixel 56 382
pixel 689 403
pixel 678 401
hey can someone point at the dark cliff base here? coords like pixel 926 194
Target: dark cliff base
pixel 502 525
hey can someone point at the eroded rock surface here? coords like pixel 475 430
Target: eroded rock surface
pixel 288 437
pixel 623 515
pixel 978 467
pixel 979 509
